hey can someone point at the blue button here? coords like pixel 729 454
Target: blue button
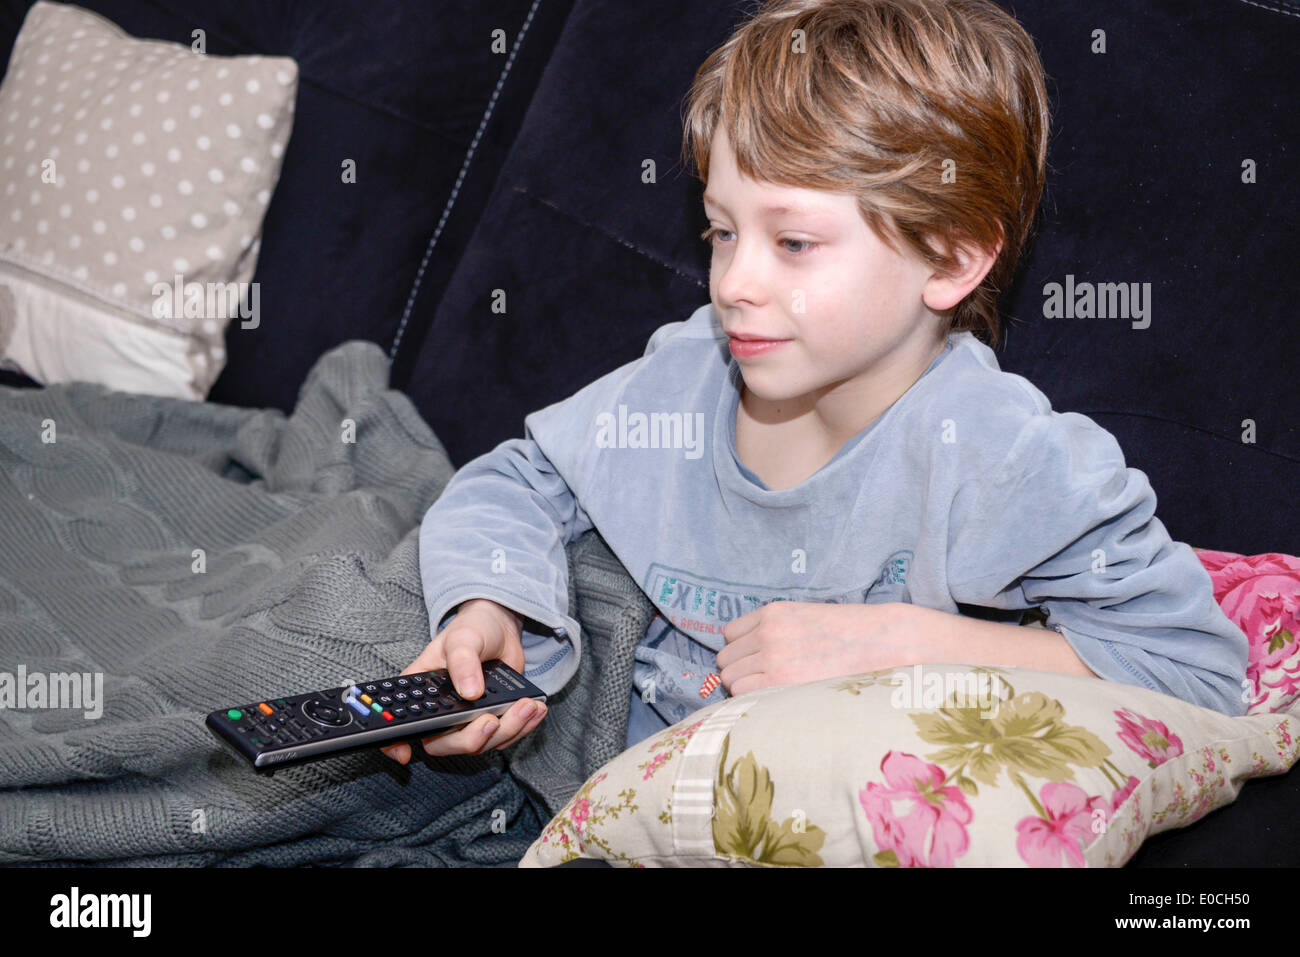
pixel 357 706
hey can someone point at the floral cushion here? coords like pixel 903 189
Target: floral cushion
pixel 947 765
pixel 1261 596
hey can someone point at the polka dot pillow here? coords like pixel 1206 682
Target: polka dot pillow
pixel 136 174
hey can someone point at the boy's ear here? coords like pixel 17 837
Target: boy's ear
pixel 944 292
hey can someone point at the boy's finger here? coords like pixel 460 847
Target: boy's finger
pixel 514 722
pixel 430 659
pixel 529 726
pixel 464 665
pixel 400 752
pixel 470 739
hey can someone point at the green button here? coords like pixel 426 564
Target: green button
pixel 234 714
pixel 376 709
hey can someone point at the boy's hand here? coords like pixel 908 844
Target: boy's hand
pixel 481 630
pixel 792 642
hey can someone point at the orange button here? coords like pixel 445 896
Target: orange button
pixel 264 708
pixel 387 716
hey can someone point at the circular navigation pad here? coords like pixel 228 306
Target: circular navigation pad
pixel 322 712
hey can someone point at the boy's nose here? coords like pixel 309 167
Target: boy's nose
pixel 739 277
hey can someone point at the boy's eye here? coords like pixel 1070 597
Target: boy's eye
pixel 713 231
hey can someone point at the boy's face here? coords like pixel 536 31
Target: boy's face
pixel 854 314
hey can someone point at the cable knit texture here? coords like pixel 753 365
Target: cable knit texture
pixel 308 576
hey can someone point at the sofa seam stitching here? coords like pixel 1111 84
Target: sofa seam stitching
pixel 460 179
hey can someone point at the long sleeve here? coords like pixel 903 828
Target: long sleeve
pixel 498 531
pixel 500 527
pixel 1062 523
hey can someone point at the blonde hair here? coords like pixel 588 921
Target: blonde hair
pixel 883 95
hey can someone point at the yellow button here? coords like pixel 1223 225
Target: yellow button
pixel 264 708
pixel 366 698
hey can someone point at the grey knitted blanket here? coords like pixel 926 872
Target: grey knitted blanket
pixel 183 556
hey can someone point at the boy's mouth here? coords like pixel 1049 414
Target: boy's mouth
pixel 746 347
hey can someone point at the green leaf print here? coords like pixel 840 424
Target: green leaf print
pixel 1027 735
pixel 743 827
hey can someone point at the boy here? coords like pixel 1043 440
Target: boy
pixel 812 472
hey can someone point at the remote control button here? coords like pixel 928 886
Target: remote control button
pixel 234 714
pixel 280 703
pixel 376 707
pixel 385 700
pixel 414 708
pixel 417 693
pixel 371 688
pixel 399 712
pixel 386 685
pixel 401 696
pixel 446 702
pixel 403 682
pixel 417 679
pixel 365 698
pixel 356 706
pixel 387 716
pixel 353 690
pixel 325 713
pixel 264 708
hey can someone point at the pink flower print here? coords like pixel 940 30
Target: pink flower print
pixel 1070 813
pixel 654 765
pixel 1260 594
pixel 581 811
pixel 1148 737
pixel 922 823
pixel 1121 794
pixel 1229 570
pixel 1271 620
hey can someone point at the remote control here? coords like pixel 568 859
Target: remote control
pixel 279 732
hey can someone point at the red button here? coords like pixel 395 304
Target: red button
pixel 387 716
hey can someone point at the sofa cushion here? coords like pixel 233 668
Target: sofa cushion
pixel 1007 767
pixel 139 173
pixel 942 765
